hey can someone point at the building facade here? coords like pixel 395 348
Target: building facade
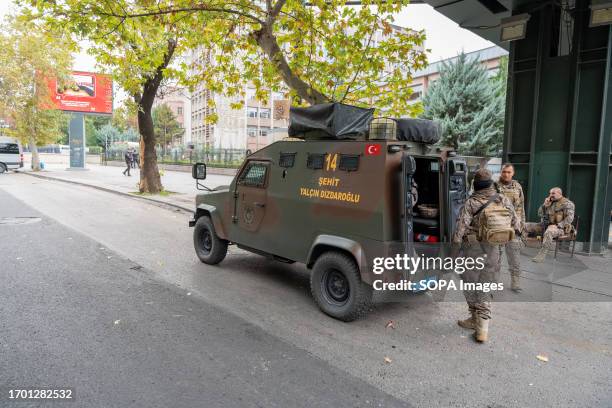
pixel 178 99
pixel 422 79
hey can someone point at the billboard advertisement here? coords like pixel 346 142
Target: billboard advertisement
pixel 85 92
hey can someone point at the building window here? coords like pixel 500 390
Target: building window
pixel 264 131
pixel 179 110
pixel 251 112
pixel 264 113
pixel 252 131
pixel 250 93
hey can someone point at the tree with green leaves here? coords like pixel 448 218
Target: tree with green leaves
pixel 137 53
pixel 130 135
pixel 321 50
pixel 501 77
pixel 125 117
pixel 165 124
pixel 27 50
pixel 469 105
pixel 107 135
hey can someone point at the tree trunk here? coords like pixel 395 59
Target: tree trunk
pixel 150 181
pixel 35 156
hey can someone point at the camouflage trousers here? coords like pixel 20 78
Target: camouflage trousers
pixel 550 234
pixel 513 253
pixel 480 301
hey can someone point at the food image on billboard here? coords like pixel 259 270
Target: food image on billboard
pixel 85 92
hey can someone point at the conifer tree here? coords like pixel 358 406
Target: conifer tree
pixel 469 105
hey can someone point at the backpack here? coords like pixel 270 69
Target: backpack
pixel 495 222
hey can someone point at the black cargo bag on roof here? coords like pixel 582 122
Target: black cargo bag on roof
pixel 336 120
pixel 418 130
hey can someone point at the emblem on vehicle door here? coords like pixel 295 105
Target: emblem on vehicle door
pixel 248 215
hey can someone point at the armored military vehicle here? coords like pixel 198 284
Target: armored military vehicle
pixel 336 194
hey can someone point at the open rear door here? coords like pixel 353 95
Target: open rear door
pixel 408 169
pixel 455 182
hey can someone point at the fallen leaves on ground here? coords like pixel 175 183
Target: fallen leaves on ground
pixel 390 324
pixel 542 358
pixel 388 360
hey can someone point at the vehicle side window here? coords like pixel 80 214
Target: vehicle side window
pixel 286 160
pixel 315 161
pixel 9 148
pixel 254 175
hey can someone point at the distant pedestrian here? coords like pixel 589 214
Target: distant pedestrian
pixel 135 160
pixel 128 162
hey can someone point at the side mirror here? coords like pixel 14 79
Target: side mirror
pixel 198 171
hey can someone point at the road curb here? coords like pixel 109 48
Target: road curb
pixel 109 190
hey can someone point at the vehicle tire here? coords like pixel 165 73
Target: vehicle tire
pixel 336 286
pixel 208 246
pixel 2 168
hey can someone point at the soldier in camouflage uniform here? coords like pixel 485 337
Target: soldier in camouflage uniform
pixel 514 192
pixel 557 215
pixel 479 302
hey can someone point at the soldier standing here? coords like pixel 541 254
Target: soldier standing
pixel 514 192
pixel 557 215
pixel 468 233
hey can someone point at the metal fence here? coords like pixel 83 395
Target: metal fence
pixel 180 155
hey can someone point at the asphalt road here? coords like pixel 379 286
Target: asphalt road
pixel 77 315
pixel 198 335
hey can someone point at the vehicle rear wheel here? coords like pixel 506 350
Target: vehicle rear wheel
pixel 208 246
pixel 2 168
pixel 337 287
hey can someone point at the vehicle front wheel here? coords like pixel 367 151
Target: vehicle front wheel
pixel 337 287
pixel 208 246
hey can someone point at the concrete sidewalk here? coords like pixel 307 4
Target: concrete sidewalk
pixel 180 185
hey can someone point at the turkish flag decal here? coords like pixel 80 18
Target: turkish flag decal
pixel 372 149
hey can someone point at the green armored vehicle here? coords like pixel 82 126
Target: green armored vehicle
pixel 339 193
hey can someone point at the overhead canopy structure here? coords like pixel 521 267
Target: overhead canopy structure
pixel 558 128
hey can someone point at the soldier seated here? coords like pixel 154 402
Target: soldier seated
pixel 556 215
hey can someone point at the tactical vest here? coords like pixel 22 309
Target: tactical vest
pixel 513 192
pixel 556 211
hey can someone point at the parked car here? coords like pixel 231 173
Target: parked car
pixel 11 154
